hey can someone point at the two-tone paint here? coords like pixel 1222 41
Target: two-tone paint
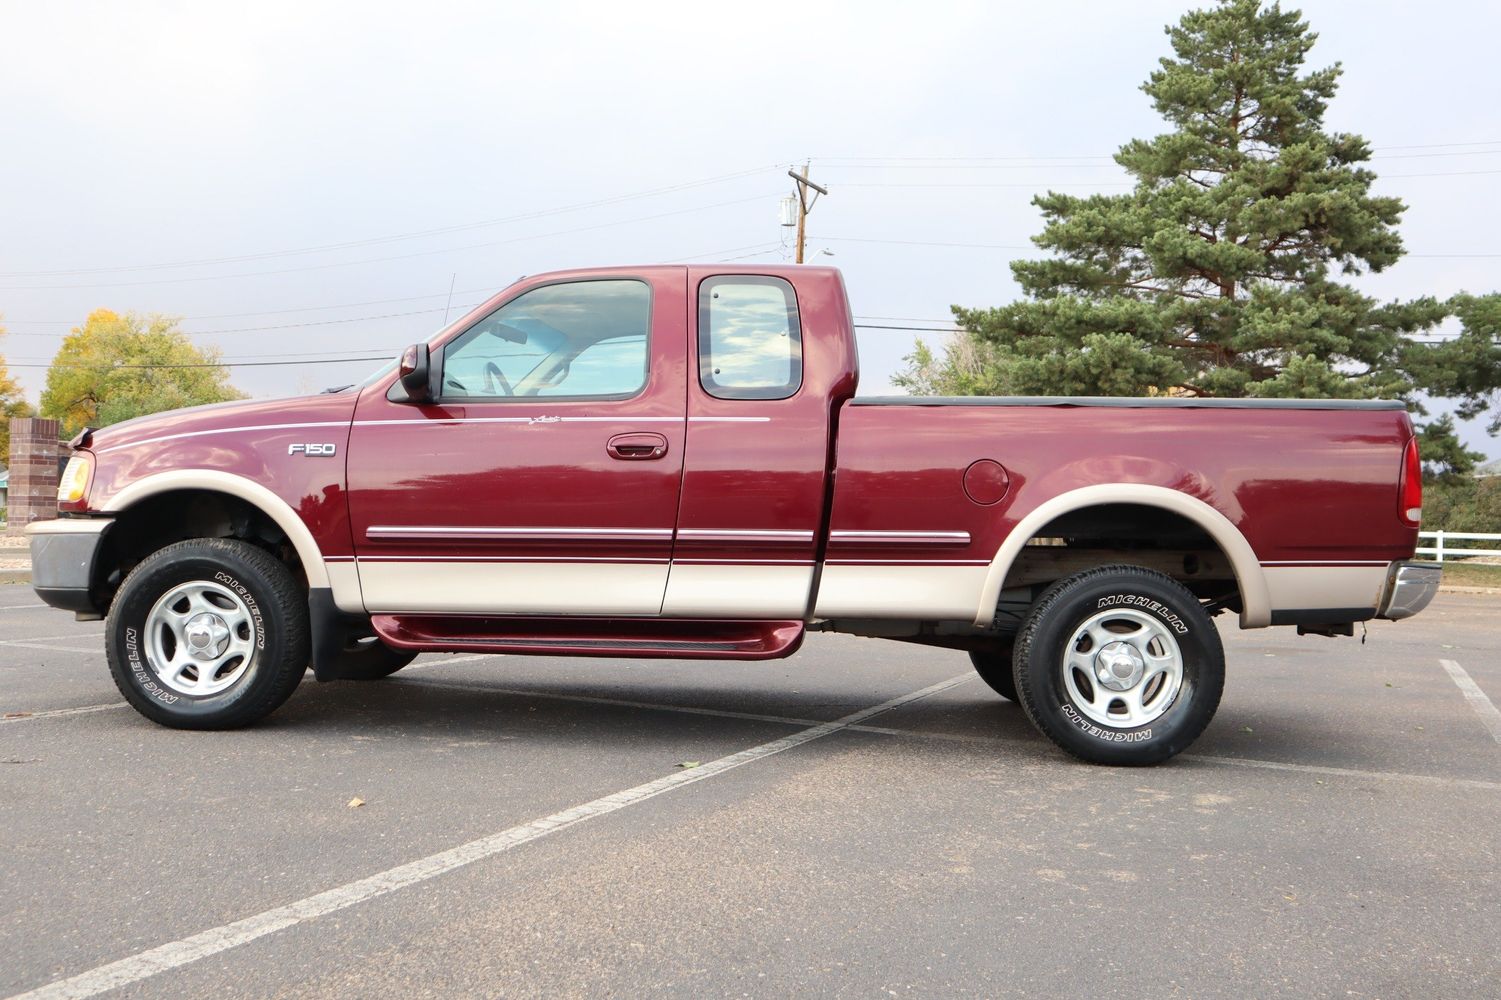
pixel 676 506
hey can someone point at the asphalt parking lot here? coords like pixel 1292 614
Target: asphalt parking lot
pixel 527 830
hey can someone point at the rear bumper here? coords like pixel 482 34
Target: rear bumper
pixel 1409 588
pixel 62 560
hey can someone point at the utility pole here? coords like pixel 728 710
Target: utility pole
pixel 804 205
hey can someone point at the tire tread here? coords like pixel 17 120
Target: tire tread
pixel 290 606
pixel 1037 616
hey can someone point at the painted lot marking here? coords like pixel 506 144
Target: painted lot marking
pixel 1483 706
pixel 618 703
pixel 1434 780
pixel 53 713
pixel 166 957
pixel 49 638
pixel 19 644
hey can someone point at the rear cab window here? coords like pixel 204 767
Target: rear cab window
pixel 750 340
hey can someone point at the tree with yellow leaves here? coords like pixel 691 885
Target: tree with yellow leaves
pixel 115 367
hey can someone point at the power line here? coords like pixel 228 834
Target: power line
pixel 377 260
pixel 1100 184
pixel 1032 186
pixel 284 326
pixel 928 243
pixel 828 160
pixel 378 240
pixel 916 329
pixel 946 165
pixel 1008 246
pixel 760 247
pixel 272 312
pixel 227 363
pixel 214 364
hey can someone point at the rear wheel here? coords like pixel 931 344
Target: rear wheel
pixel 1119 665
pixel 995 668
pixel 210 633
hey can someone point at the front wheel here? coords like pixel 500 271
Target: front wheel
pixel 209 633
pixel 1119 665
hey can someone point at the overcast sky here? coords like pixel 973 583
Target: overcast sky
pixel 136 134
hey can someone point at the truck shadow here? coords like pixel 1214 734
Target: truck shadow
pixel 648 717
pixel 639 713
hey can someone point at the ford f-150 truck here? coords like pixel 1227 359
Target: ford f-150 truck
pixel 672 462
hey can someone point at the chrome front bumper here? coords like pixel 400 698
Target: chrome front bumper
pixel 1409 588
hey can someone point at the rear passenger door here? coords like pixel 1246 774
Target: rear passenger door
pixel 758 447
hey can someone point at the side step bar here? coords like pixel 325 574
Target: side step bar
pixel 679 638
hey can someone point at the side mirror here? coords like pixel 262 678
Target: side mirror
pixel 415 373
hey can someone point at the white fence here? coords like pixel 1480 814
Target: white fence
pixel 1439 549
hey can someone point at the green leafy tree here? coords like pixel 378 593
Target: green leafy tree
pixel 12 404
pixel 116 367
pixel 1219 273
pixel 1464 503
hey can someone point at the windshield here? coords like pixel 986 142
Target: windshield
pixel 374 376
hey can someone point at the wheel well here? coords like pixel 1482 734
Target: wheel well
pixel 1137 534
pixel 157 521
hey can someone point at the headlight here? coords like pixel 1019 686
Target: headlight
pixel 74 484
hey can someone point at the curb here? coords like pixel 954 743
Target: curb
pixel 15 576
pixel 1461 589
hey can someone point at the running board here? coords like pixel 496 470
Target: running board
pixel 674 638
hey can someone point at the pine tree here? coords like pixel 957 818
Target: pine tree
pixel 1219 273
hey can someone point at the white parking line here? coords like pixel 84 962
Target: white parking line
pixel 618 703
pixel 169 956
pixel 20 607
pixel 1346 772
pixel 49 638
pixel 975 738
pixel 49 647
pixel 53 713
pixel 972 738
pixel 451 659
pixel 1483 706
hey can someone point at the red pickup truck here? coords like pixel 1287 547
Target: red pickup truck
pixel 672 462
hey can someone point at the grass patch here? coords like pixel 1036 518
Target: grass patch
pixel 1472 574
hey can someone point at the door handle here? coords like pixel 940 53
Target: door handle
pixel 637 447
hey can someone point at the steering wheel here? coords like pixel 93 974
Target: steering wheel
pixel 494 375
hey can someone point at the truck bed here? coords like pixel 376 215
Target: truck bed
pixel 1304 494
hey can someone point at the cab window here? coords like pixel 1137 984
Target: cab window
pixel 574 340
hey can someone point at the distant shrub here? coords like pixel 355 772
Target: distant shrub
pixel 1463 503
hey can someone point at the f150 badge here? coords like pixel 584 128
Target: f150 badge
pixel 312 450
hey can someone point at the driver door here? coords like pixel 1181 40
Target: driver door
pixel 544 478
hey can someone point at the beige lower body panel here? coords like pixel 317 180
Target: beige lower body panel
pixel 1298 588
pixel 344 581
pixel 721 590
pixel 518 588
pixel 930 593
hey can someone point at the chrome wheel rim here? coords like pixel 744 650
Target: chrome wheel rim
pixel 200 639
pixel 1123 668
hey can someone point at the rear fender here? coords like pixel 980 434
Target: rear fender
pixel 1255 598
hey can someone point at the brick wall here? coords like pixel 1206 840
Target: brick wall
pixel 33 472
